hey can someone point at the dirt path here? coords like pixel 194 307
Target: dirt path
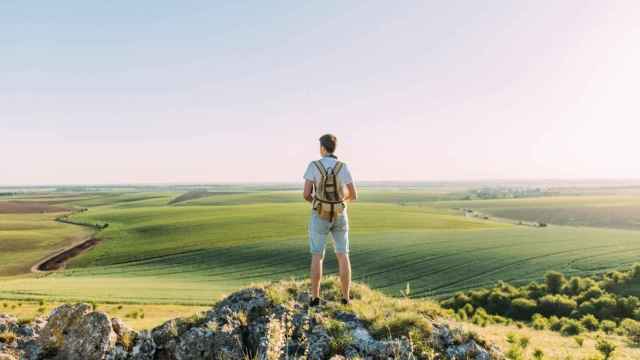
pixel 58 260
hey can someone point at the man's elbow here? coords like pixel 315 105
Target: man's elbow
pixel 307 197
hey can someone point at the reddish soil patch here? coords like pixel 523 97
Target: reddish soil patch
pixel 27 207
pixel 59 260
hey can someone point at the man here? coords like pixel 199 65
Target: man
pixel 328 186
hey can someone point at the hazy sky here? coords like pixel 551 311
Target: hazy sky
pixel 212 91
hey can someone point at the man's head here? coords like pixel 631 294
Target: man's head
pixel 328 144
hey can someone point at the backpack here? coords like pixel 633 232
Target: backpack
pixel 328 200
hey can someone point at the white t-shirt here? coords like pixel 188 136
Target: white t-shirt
pixel 313 174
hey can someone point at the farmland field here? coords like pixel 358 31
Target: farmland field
pixel 192 251
pixel 611 211
pixel 26 238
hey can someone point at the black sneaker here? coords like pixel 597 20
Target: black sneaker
pixel 314 302
pixel 345 302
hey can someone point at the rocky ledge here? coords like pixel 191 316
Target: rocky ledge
pixel 248 324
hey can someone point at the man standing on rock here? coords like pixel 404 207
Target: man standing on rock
pixel 328 186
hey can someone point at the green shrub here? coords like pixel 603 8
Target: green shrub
pixel 554 282
pixel 605 347
pixel 577 285
pixel 631 330
pixel 523 309
pixel 468 308
pixel 524 341
pixel 539 322
pixel 554 323
pixel 535 290
pixel 606 306
pixel 626 306
pixel 480 317
pixel 460 300
pixel 591 293
pixel 590 322
pixel 559 305
pixel 608 326
pixel 579 340
pixel 498 302
pixel 538 354
pixel 571 327
pixel 515 352
pixel 340 336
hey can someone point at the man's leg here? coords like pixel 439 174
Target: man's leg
pixel 344 265
pixel 316 274
pixel 318 231
pixel 340 232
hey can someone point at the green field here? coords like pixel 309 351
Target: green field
pixel 610 211
pixel 27 238
pixel 193 251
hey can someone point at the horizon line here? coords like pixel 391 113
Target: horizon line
pixel 363 182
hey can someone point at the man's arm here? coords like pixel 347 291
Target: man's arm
pixel 307 194
pixel 352 194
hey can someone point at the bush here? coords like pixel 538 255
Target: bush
pixel 498 302
pixel 590 322
pixel 626 306
pixel 515 353
pixel 535 290
pixel 554 282
pixel 555 324
pixel 460 300
pixel 480 317
pixel 468 308
pixel 605 347
pixel 608 326
pixel 577 285
pixel 538 354
pixel 606 306
pixel 461 315
pixel 523 309
pixel 539 322
pixel 559 305
pixel 579 340
pixel 591 293
pixel 631 330
pixel 571 327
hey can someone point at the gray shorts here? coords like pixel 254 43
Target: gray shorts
pixel 320 228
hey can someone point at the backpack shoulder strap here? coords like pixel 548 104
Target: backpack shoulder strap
pixel 320 168
pixel 337 167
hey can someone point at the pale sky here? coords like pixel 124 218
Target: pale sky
pixel 212 91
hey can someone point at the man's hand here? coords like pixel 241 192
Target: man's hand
pixel 307 194
pixel 352 193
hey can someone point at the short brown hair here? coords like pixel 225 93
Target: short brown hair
pixel 329 142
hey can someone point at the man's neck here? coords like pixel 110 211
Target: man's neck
pixel 329 155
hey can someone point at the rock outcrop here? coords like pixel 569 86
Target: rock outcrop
pixel 247 324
